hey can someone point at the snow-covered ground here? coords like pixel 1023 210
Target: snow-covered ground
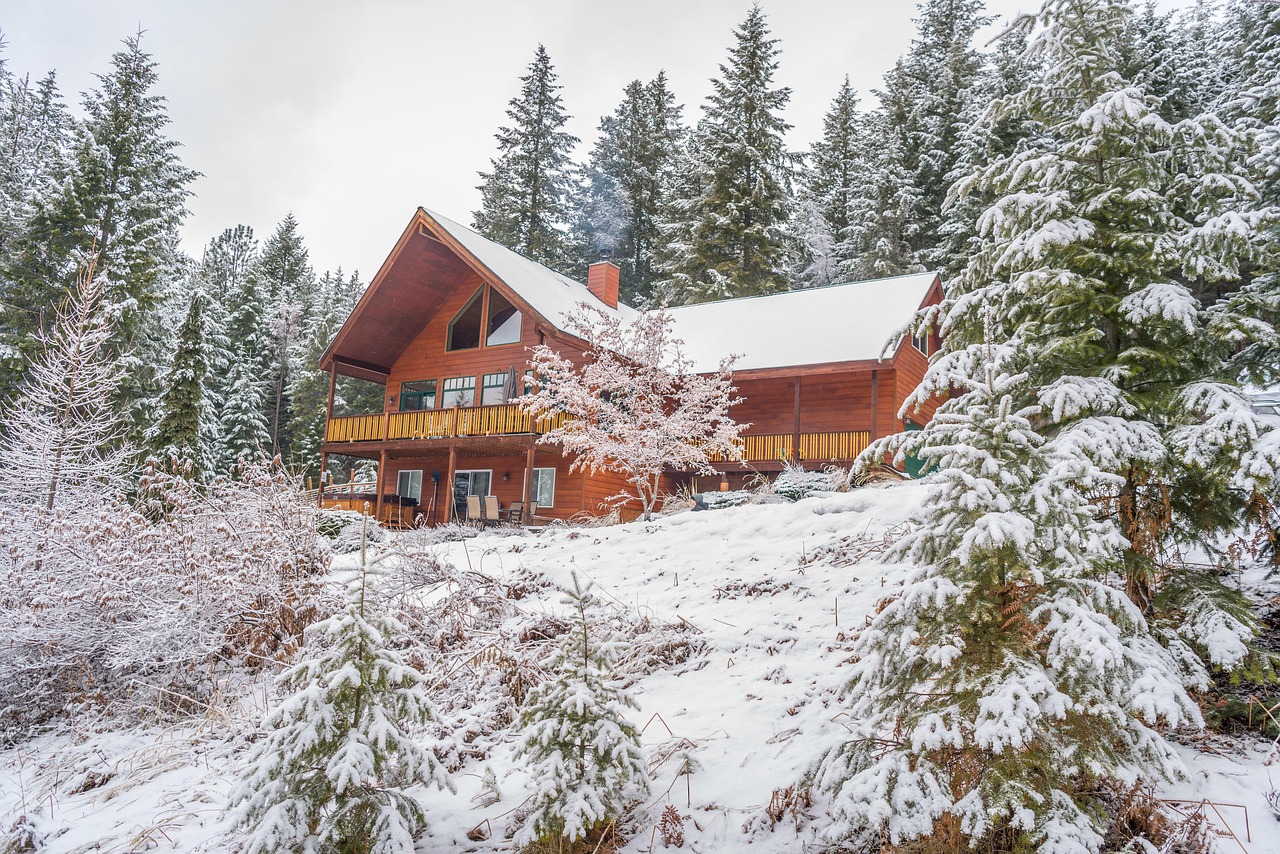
pixel 766 594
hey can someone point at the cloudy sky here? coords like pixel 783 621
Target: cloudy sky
pixel 351 114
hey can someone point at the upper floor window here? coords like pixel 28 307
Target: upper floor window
pixel 494 389
pixel 417 395
pixel 458 391
pixel 920 342
pixel 504 321
pixel 464 329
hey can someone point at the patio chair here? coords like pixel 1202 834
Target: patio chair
pixel 473 510
pixel 492 514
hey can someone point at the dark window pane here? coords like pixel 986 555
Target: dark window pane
pixel 504 320
pixel 464 331
pixel 417 395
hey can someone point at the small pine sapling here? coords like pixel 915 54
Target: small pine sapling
pixel 335 768
pixel 583 755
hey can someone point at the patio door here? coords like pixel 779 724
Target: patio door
pixel 469 482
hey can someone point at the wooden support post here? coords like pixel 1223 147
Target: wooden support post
pixel 875 404
pixel 328 412
pixel 528 485
pixel 324 474
pixel 448 484
pixel 382 476
pixel 795 425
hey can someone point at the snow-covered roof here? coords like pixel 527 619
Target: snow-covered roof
pixel 550 294
pixel 837 323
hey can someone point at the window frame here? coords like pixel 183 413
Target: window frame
pixel 488 319
pixel 539 474
pixel 485 385
pixel 468 389
pixel 434 397
pixel 400 481
pixel 480 331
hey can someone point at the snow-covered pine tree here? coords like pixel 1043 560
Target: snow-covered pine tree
pixel 583 755
pixel 1112 240
pixel 185 425
pixel 287 285
pixel 730 239
pixel 334 769
pixel 883 218
pixel 833 178
pixel 940 76
pixel 626 183
pixel 121 202
pixel 524 199
pixel 61 442
pixel 1006 680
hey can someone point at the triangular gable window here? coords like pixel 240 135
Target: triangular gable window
pixel 464 329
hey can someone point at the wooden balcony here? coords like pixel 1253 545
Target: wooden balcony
pixel 502 420
pixel 814 447
pixel 509 419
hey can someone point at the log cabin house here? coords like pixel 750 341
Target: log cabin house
pixel 446 324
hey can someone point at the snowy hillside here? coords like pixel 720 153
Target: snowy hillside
pixel 737 621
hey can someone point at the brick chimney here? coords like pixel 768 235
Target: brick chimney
pixel 602 281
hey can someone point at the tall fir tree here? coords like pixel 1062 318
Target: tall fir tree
pixel 286 283
pixel 730 238
pixel 1110 253
pixel 185 426
pixel 1005 681
pixel 625 185
pixel 524 199
pixel 834 177
pixel 122 201
pixel 885 223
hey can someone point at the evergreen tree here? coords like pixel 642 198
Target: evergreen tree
pixel 242 427
pixel 185 426
pixel 333 772
pixel 286 283
pixel 35 136
pixel 1005 680
pixel 121 202
pixel 626 182
pixel 524 199
pixel 309 386
pixel 834 178
pixel 885 213
pixel 730 238
pixel 584 756
pixel 941 73
pixel 1107 255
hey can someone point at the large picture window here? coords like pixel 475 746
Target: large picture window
pixel 492 391
pixel 544 487
pixel 504 321
pixel 458 391
pixel 464 329
pixel 417 395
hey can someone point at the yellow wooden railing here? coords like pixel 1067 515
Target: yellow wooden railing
pixel 497 420
pixel 777 447
pixel 354 428
pixel 833 446
pixel 424 424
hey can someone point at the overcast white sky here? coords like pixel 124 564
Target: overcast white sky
pixel 351 114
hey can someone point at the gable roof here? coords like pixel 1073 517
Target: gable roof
pixel 837 323
pixel 549 294
pixel 432 257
